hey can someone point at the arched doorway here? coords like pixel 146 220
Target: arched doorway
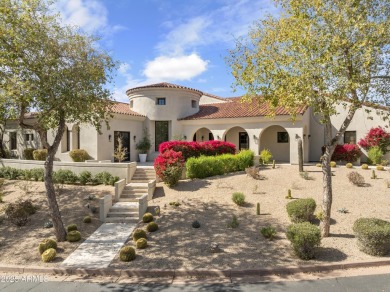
pixel 277 140
pixel 202 134
pixel 238 136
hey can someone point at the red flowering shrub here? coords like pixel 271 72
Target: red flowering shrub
pixel 376 137
pixel 195 149
pixel 216 147
pixel 346 152
pixel 169 167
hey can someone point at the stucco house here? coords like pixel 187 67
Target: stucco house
pixel 169 111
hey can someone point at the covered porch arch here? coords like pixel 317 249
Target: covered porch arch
pixel 237 136
pixel 202 135
pixel 276 139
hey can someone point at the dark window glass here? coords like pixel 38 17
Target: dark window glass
pixel 194 138
pixel 13 141
pixel 161 133
pixel 350 137
pixel 78 137
pixel 193 103
pixel 67 139
pixel 160 101
pixel 282 137
pixel 243 140
pixel 125 136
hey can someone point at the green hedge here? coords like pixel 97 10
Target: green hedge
pixel 205 166
pixel 301 210
pixel 373 236
pixel 61 176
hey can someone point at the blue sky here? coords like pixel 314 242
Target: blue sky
pixel 178 41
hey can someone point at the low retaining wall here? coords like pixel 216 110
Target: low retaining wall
pixel 122 170
pixel 143 205
pixel 105 204
pixel 119 187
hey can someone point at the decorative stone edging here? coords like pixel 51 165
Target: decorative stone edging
pixel 191 273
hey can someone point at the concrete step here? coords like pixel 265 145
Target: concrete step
pixel 135 191
pixel 143 177
pixel 128 200
pixel 131 196
pixel 123 214
pixel 131 187
pixel 121 220
pixel 140 180
pixel 123 210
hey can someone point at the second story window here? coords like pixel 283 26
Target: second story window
pixel 194 103
pixel 29 137
pixel 160 101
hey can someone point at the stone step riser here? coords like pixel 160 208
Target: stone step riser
pixel 120 220
pixel 122 214
pixel 126 196
pixel 137 191
pixel 127 200
pixel 122 210
pixel 139 181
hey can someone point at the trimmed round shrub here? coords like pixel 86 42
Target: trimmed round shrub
pixel 139 233
pixel 85 177
pixel 71 227
pixel 356 178
pixel 238 198
pixel 127 254
pixel 364 166
pixel 148 217
pixel 40 154
pixel 87 219
pixel 48 255
pixel 373 236
pixel 301 210
pixel 304 238
pixel 63 176
pixel 46 244
pixel 141 243
pixel 152 227
pixel 380 167
pixel 349 165
pixel 79 155
pixel 73 236
pixel 28 153
pixel 333 164
pixel 195 224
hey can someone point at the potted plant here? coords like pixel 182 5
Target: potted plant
pixel 143 146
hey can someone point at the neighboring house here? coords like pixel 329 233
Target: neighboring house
pixel 172 112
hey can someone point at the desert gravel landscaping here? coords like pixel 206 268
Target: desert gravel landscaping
pixel 176 245
pixel 19 245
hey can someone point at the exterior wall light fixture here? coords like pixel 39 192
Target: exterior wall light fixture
pixel 135 137
pixel 109 138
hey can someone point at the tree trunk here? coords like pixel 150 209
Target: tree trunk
pixel 49 185
pixel 327 181
pixel 51 197
pixel 300 155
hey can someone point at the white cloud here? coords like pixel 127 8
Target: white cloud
pixel 184 36
pixel 164 68
pixel 123 68
pixel 90 15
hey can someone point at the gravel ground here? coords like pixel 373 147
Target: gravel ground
pixel 177 245
pixel 19 245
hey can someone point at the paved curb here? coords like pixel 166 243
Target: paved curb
pixel 191 273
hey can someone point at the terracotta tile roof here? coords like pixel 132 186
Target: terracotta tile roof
pixel 124 109
pixel 163 85
pixel 238 109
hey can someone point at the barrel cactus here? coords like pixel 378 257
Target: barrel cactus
pixel 49 255
pixel 141 243
pixel 364 166
pixel 73 236
pixel 87 219
pixel 71 227
pixel 152 227
pixel 139 233
pixel 148 217
pixel 46 244
pixel 127 254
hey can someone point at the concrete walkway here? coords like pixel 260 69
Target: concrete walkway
pixel 101 247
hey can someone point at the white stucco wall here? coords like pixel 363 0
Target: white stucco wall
pixel 362 122
pixel 125 123
pixel 268 140
pixel 205 99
